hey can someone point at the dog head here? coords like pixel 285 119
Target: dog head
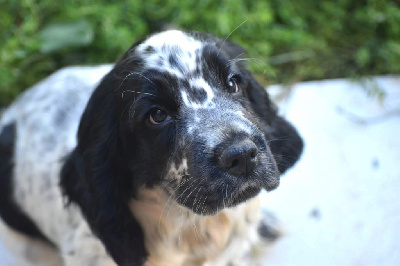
pixel 203 139
pixel 179 111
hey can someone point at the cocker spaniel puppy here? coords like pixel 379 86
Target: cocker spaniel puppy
pixel 173 146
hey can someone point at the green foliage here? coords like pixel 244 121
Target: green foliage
pixel 287 40
pixel 57 37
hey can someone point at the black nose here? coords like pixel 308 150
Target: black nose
pixel 239 158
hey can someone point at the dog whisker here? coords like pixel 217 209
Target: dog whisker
pixel 279 139
pixel 226 195
pixel 188 196
pixel 220 49
pixel 195 199
pixel 189 187
pixel 172 194
pixel 129 105
pixel 233 60
pixel 130 74
pixel 254 60
pixel 203 204
pixel 196 230
pixel 137 92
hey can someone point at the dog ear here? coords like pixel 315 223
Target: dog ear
pixel 284 141
pixel 96 177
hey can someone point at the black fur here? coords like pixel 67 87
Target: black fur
pixel 285 143
pixel 9 211
pixel 96 177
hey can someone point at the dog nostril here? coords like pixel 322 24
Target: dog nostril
pixel 239 158
pixel 235 163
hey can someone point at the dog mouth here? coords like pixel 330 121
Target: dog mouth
pixel 209 198
pixel 245 194
pixel 250 190
pixel 229 174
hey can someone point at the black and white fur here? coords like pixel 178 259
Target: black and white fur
pixel 178 117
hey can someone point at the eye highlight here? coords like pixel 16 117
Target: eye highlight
pixel 233 87
pixel 158 116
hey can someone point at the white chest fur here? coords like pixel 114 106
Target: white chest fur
pixel 177 236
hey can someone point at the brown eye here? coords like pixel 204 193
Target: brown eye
pixel 233 86
pixel 158 116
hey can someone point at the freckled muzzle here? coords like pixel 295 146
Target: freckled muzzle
pixel 228 161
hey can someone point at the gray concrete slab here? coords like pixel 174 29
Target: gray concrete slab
pixel 340 205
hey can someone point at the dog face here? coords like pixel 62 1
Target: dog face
pixel 217 155
pixel 187 122
pixel 178 111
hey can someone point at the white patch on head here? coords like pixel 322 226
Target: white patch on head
pixel 199 83
pixel 182 46
pixel 185 50
pixel 190 103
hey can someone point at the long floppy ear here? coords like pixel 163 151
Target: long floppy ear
pixel 285 143
pixel 96 177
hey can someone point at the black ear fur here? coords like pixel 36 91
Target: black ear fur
pixel 96 178
pixel 285 143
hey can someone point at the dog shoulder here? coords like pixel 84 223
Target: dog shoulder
pixel 36 133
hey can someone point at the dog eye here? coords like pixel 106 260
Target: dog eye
pixel 158 116
pixel 233 87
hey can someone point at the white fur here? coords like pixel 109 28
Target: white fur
pixel 185 50
pixel 180 44
pixel 178 237
pixel 38 156
pixel 176 172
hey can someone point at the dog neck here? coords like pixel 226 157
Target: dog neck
pixel 174 235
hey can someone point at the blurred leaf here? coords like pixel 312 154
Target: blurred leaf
pixel 290 57
pixel 362 56
pixel 59 36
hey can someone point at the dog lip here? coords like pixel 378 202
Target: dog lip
pixel 272 185
pixel 267 178
pixel 272 182
pixel 245 193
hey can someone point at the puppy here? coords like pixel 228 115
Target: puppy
pixel 160 164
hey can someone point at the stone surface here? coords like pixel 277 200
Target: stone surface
pixel 340 205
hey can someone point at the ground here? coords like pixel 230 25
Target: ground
pixel 340 205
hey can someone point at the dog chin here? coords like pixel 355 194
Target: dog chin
pixel 215 206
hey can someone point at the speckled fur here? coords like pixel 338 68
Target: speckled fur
pixel 124 200
pixel 39 155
